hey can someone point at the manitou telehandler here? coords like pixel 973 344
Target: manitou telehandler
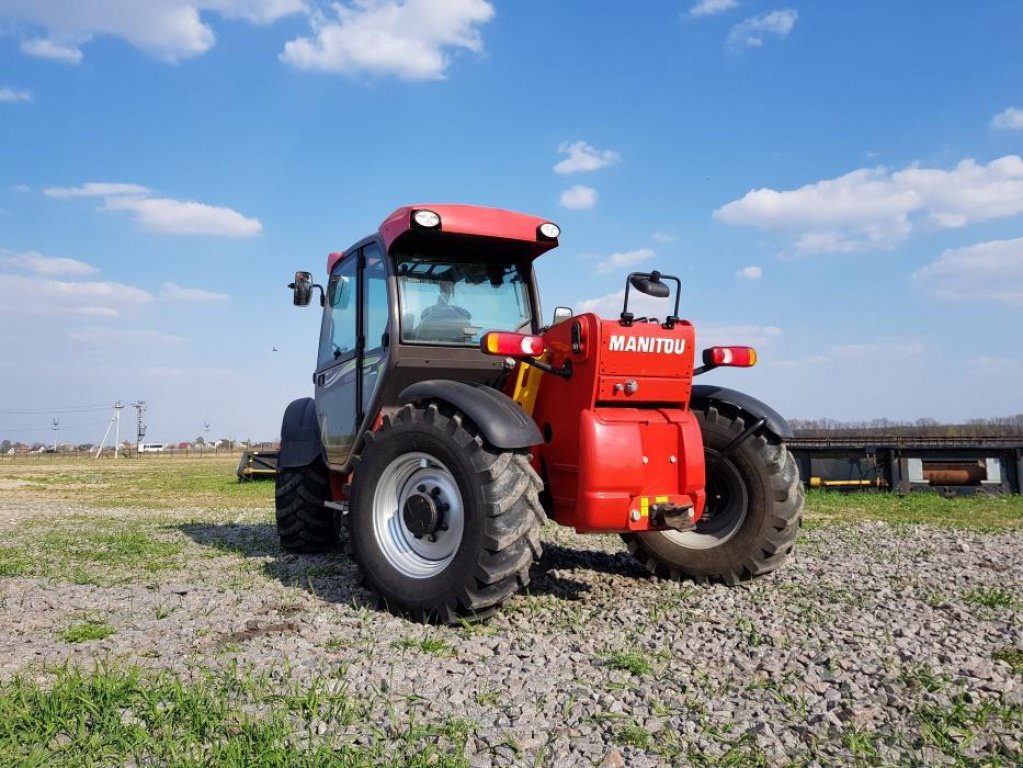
pixel 449 422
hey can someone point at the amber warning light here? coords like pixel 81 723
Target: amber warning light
pixel 734 357
pixel 511 344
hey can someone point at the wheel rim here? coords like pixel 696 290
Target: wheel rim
pixel 414 476
pixel 726 509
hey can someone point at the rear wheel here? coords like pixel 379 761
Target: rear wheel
pixel 443 525
pixel 753 513
pixel 304 524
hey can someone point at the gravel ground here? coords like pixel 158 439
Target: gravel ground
pixel 877 645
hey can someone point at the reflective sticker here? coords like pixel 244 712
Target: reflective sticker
pixel 644 506
pixel 660 499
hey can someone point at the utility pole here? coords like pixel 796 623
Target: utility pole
pixel 115 421
pixel 206 428
pixel 140 424
pixel 56 431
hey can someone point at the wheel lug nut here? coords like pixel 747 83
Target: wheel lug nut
pixel 443 506
pixel 432 537
pixel 435 491
pixel 421 488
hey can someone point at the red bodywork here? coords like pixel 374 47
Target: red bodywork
pixel 619 438
pixel 465 220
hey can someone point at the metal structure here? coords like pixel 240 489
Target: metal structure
pixel 257 465
pixel 952 466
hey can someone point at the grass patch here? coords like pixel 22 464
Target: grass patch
pixel 953 727
pixel 969 512
pixel 148 482
pixel 1012 656
pixel 84 631
pixel 992 597
pixel 13 562
pixel 630 661
pixel 122 716
pixel 635 735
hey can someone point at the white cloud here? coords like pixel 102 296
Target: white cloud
pixel 45 265
pixel 995 366
pixel 991 271
pixel 750 273
pixel 737 335
pixel 874 208
pixel 409 39
pixel 750 33
pixel 582 157
pixel 174 292
pixel 711 7
pixel 31 296
pixel 882 350
pixel 12 96
pixel 96 189
pixel 664 237
pixel 169 29
pixel 1011 119
pixel 579 197
pixel 122 337
pixel 185 217
pixel 620 262
pixel 42 48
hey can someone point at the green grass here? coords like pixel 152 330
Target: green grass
pixel 994 598
pixel 150 482
pixel 1012 656
pixel 970 512
pixel 953 727
pixel 120 716
pixel 89 629
pixel 14 562
pixel 630 661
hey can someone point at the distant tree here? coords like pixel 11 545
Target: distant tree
pixel 200 440
pixel 5 446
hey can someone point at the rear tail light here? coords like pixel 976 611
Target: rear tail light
pixel 735 357
pixel 511 344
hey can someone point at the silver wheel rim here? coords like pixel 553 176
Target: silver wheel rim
pixel 417 558
pixel 727 508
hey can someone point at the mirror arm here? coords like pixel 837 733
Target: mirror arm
pixel 323 297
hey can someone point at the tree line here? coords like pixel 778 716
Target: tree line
pixel 999 426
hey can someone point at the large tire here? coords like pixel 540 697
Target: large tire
pixel 753 514
pixel 304 524
pixel 443 526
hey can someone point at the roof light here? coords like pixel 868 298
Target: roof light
pixel 550 230
pixel 733 357
pixel 512 344
pixel 426 219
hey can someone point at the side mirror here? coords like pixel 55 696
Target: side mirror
pixel 650 284
pixel 302 288
pixel 561 314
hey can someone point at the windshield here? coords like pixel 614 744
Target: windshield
pixel 454 302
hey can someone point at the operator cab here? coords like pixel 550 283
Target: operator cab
pixel 419 293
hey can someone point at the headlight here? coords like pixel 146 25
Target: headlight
pixel 426 219
pixel 549 230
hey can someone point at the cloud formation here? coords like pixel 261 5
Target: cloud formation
pixel 174 292
pixel 49 266
pixel 583 158
pixel 711 7
pixel 22 295
pixel 162 214
pixel 41 48
pixel 751 32
pixel 623 262
pixel 1009 119
pixel 875 208
pixel 121 337
pixel 991 271
pixel 750 273
pixel 13 96
pixel 408 39
pixel 171 30
pixel 579 197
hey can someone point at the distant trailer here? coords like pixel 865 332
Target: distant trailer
pixel 257 465
pixel 950 466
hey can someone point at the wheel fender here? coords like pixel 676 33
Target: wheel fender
pixel 503 423
pixel 773 421
pixel 300 435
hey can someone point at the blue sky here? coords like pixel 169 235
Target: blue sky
pixel 840 184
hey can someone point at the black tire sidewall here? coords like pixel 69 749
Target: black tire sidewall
pixel 755 473
pixel 407 592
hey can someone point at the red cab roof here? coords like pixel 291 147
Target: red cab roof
pixel 466 220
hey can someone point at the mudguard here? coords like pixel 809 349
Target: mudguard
pixel 300 435
pixel 775 422
pixel 503 423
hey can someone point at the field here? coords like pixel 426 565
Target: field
pixel 147 616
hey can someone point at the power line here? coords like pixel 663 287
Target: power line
pixel 5 430
pixel 12 411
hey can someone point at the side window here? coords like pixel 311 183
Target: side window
pixel 337 338
pixel 376 296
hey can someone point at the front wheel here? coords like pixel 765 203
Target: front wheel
pixel 753 513
pixel 443 525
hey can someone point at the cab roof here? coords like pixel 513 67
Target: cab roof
pixel 466 220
